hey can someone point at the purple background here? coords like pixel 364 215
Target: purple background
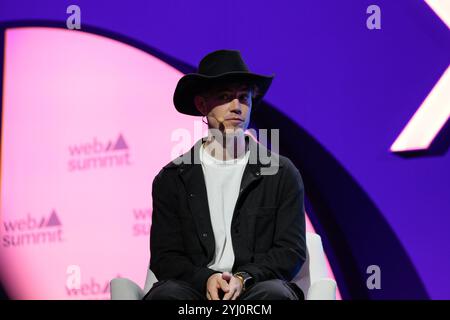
pixel 350 88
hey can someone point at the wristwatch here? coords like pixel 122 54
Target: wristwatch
pixel 246 279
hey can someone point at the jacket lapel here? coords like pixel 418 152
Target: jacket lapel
pixel 191 173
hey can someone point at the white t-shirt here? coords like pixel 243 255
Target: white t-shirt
pixel 223 180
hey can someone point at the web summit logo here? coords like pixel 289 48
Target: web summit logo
pixel 92 289
pixel 95 155
pixel 142 221
pixel 31 231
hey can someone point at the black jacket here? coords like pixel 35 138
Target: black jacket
pixel 267 229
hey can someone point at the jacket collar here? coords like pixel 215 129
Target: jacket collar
pixel 191 158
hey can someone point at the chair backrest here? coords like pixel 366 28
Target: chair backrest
pixel 315 266
pixel 149 280
pixel 313 269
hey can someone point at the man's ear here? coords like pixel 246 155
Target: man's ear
pixel 200 104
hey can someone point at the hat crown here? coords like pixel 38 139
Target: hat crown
pixel 222 61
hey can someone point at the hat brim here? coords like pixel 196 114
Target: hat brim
pixel 192 84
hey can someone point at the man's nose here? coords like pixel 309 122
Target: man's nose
pixel 236 106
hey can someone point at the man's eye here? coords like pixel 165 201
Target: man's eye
pixel 224 97
pixel 243 98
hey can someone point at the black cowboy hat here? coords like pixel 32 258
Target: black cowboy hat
pixel 221 66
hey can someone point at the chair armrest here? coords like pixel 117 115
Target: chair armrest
pixel 125 289
pixel 322 289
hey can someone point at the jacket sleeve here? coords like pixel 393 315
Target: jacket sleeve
pixel 168 259
pixel 288 252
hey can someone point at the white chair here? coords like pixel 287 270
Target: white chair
pixel 312 278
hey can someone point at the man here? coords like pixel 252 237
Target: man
pixel 222 227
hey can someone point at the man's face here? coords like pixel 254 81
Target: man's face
pixel 227 107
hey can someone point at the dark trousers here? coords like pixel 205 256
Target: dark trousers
pixel 265 290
